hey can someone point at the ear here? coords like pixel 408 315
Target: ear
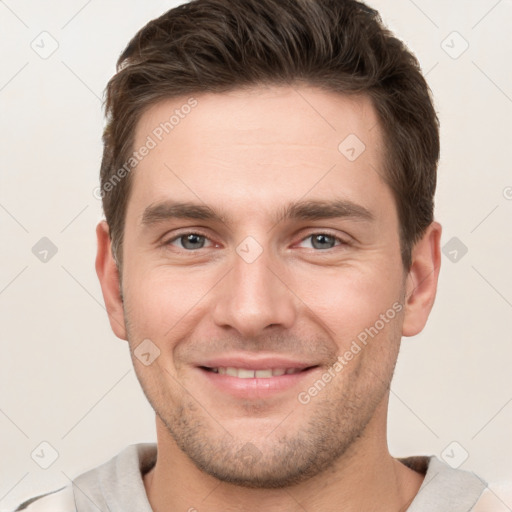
pixel 422 280
pixel 108 275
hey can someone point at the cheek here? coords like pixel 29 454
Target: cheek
pixel 349 300
pixel 161 303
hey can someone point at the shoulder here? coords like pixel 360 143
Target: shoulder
pixel 495 498
pixel 444 487
pixel 117 482
pixel 61 500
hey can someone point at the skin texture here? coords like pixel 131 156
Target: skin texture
pixel 246 154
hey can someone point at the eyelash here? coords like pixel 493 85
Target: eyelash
pixel 341 241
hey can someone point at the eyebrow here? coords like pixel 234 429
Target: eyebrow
pixel 300 210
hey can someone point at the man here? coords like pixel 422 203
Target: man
pixel 268 178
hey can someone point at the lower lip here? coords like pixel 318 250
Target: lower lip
pixel 256 387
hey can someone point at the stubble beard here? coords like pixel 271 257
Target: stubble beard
pixel 286 456
pixel 290 453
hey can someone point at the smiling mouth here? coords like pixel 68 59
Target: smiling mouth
pixel 245 373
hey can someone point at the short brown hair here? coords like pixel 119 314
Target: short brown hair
pixel 221 45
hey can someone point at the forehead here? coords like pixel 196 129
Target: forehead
pixel 261 114
pixel 264 143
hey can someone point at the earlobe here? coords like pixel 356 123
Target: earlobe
pixel 108 274
pixel 421 284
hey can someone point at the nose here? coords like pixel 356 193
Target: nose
pixel 253 296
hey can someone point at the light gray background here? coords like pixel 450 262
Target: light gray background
pixel 65 378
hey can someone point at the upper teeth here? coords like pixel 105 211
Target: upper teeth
pixel 244 373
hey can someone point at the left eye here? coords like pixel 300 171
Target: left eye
pixel 323 241
pixel 189 241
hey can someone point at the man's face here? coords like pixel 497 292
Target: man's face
pixel 265 284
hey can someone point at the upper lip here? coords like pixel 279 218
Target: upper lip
pixel 254 362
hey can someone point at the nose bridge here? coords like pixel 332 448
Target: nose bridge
pixel 252 297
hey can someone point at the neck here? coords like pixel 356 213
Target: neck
pixel 366 478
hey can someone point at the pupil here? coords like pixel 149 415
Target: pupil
pixel 191 240
pixel 322 239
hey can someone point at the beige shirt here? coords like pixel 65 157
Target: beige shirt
pixel 117 486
